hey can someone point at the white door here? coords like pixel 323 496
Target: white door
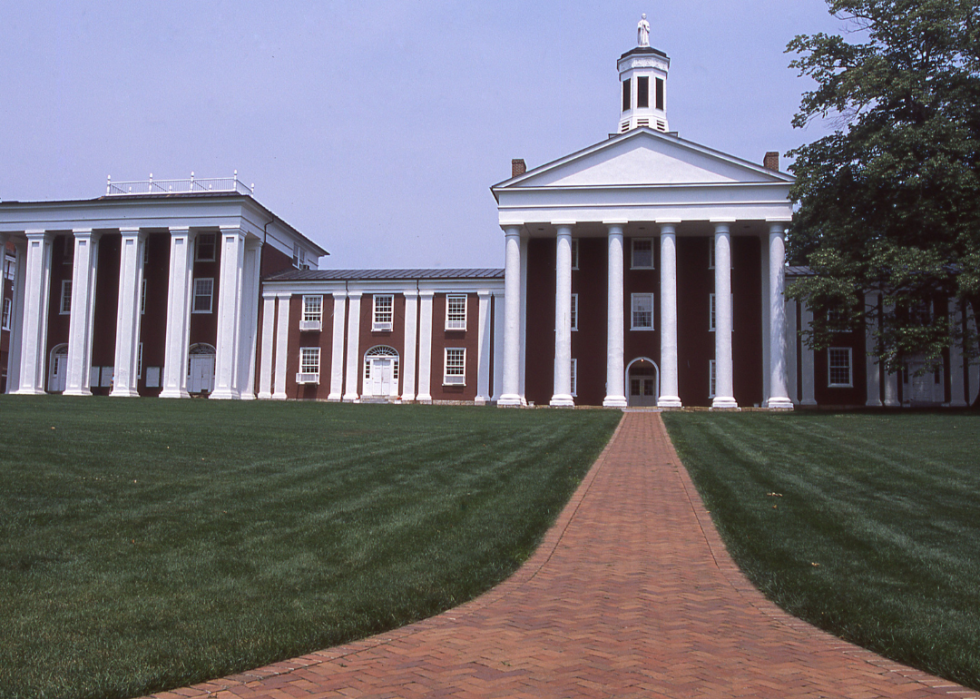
pixel 57 372
pixel 925 388
pixel 380 376
pixel 200 379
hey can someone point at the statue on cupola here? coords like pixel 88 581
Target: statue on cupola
pixel 643 31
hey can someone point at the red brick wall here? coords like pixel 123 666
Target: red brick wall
pixel 589 281
pixel 322 339
pixel 467 339
pixel 368 338
pixel 695 342
pixel 539 381
pixel 747 334
pixel 153 324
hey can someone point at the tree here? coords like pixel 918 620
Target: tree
pixel 890 202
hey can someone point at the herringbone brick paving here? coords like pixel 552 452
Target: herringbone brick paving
pixel 631 595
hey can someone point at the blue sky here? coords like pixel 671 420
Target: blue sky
pixel 375 128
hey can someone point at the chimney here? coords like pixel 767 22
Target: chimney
pixel 517 167
pixel 771 161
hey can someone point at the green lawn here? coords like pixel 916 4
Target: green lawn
pixel 147 544
pixel 865 524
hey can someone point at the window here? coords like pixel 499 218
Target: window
pixel 312 313
pixel 574 312
pixel 6 314
pixel 65 297
pixel 309 365
pixel 574 378
pixel 10 267
pixel 839 366
pixel 203 290
pixel 642 253
pixel 206 244
pixel 153 377
pixel 642 311
pixel 711 312
pixel 146 252
pixel 456 312
pixel 660 94
pixel 574 253
pixel 836 321
pixel 455 374
pixel 712 379
pixel 643 92
pixel 139 361
pixel 69 256
pixel 626 94
pixel 382 312
pixel 143 297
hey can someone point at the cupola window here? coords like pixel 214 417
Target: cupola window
pixel 642 92
pixel 626 95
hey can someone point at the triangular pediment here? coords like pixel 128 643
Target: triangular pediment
pixel 644 158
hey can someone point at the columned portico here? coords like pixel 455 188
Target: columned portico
pixel 125 381
pixel 178 314
pixel 562 397
pixel 778 395
pixel 80 324
pixel 724 384
pixel 615 378
pixel 669 392
pixel 512 317
pixel 229 314
pixel 37 289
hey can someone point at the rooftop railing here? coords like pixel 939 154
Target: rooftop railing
pixel 190 186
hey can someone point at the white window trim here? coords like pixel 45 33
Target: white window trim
pixel 139 361
pixel 10 266
pixel 7 312
pixel 642 328
pixel 711 312
pixel 197 248
pixel 312 319
pixel 309 358
pixel 850 368
pixel 574 378
pixel 194 308
pixel 143 297
pixel 453 379
pixel 380 326
pixel 454 324
pixel 574 253
pixel 63 307
pixel 633 242
pixel 712 378
pixel 574 307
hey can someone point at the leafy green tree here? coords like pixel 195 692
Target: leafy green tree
pixel 890 201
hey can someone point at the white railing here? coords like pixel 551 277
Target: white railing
pixel 191 186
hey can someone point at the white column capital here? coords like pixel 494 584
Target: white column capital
pixel 426 294
pixel 564 223
pixel 483 293
pixel 338 295
pixel 411 293
pixel 511 230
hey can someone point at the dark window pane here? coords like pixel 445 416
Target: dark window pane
pixel 642 92
pixel 660 94
pixel 626 94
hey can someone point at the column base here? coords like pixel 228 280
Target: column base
pixel 958 404
pixel 224 394
pixel 29 392
pixel 334 398
pixel 510 400
pixel 481 400
pixel 780 404
pixel 614 402
pixel 408 398
pixel 265 395
pixel 562 400
pixel 247 396
pixel 174 393
pixel 876 403
pixel 280 396
pixel 423 398
pixel 77 392
pixel 349 398
pixel 724 403
pixel 669 402
pixel 808 402
pixel 119 392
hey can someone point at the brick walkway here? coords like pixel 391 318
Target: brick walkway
pixel 631 595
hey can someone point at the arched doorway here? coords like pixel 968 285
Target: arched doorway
pixel 200 368
pixel 380 372
pixel 642 382
pixel 58 369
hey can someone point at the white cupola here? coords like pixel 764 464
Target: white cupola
pixel 643 81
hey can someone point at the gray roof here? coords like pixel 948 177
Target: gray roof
pixel 319 275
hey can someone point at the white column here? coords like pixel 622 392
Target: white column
pixel 80 324
pixel 268 339
pixel 806 362
pixel 522 365
pixel 425 348
pixel 37 290
pixel 872 368
pixel 411 344
pixel 957 376
pixel 512 318
pixel 337 346
pixel 178 314
pixel 17 316
pixel 353 346
pixel 251 274
pixel 125 380
pixel 778 395
pixel 498 345
pixel 232 262
pixel 562 397
pixel 615 332
pixel 891 379
pixel 282 344
pixel 484 334
pixel 724 386
pixel 669 395
pixel 792 340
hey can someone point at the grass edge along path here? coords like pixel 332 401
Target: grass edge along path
pixel 147 545
pixel 862 524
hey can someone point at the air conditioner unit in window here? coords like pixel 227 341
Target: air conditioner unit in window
pixel 455 380
pixel 309 325
pixel 381 326
pixel 307 378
